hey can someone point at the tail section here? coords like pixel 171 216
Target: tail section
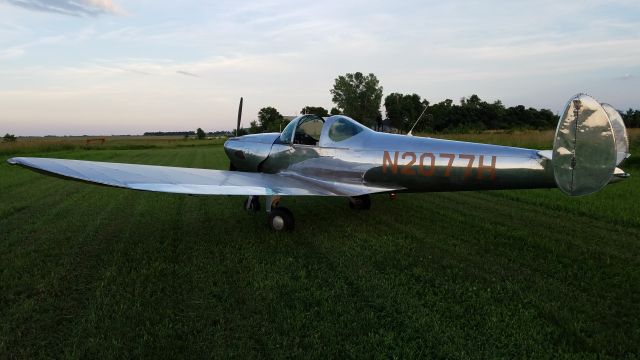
pixel 586 148
pixel 619 133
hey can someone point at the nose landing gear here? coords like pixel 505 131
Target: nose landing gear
pixel 278 218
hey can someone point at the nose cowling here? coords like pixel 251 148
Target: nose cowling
pixel 247 152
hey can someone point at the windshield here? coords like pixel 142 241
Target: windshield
pixel 287 133
pixel 343 129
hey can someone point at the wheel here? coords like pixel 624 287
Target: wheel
pixel 281 218
pixel 252 204
pixel 362 202
pixel 232 167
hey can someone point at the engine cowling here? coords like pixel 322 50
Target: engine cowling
pixel 247 152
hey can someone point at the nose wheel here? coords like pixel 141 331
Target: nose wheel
pixel 278 218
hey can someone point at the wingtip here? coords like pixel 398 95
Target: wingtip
pixel 13 161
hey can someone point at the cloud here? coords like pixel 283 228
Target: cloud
pixel 626 76
pixel 520 52
pixel 20 50
pixel 70 7
pixel 133 71
pixel 186 73
pixel 8 28
pixel 11 53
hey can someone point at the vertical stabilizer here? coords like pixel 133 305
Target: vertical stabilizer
pixel 619 132
pixel 584 148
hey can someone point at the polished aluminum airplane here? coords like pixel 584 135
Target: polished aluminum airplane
pixel 338 156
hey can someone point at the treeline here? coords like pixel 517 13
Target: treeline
pixel 631 118
pixel 198 134
pixel 170 133
pixel 360 97
pixel 472 114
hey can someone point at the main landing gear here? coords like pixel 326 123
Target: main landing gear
pixel 279 218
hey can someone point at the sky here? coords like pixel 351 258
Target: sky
pixel 73 67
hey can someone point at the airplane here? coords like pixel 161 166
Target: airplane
pixel 337 156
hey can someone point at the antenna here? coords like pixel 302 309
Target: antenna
pixel 414 125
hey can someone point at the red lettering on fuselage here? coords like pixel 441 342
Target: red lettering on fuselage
pixel 386 161
pixel 491 168
pixel 432 165
pixel 407 169
pixel 428 168
pixel 451 157
pixel 467 170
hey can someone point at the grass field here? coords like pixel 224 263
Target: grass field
pixel 89 271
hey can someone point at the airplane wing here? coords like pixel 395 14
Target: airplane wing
pixel 192 181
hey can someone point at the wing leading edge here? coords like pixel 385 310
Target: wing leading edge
pixel 189 180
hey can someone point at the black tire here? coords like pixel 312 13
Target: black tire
pixel 362 202
pixel 280 219
pixel 232 167
pixel 254 206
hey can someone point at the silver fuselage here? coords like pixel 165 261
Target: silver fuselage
pixel 411 163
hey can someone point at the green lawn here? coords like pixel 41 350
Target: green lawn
pixel 88 271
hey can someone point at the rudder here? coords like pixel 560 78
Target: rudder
pixel 584 148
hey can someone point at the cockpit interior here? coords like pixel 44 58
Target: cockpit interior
pixel 308 130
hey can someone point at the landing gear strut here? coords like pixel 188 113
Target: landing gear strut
pixel 362 202
pixel 278 218
pixel 252 204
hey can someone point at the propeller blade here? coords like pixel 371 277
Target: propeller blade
pixel 239 117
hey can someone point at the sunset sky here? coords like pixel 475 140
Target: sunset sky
pixel 130 66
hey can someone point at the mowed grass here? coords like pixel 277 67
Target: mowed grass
pixel 89 271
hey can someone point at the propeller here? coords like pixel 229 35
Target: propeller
pixel 239 118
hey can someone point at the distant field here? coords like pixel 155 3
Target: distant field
pixel 48 144
pixel 89 271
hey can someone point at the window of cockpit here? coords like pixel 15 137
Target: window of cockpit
pixel 343 129
pixel 308 130
pixel 287 133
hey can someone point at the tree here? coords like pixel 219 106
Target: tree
pixel 474 114
pixel 631 118
pixel 335 111
pixel 200 134
pixel 403 110
pixel 316 110
pixel 254 128
pixel 270 119
pixel 9 138
pixel 358 96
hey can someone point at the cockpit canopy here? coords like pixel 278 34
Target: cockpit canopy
pixel 304 130
pixel 314 130
pixel 344 128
